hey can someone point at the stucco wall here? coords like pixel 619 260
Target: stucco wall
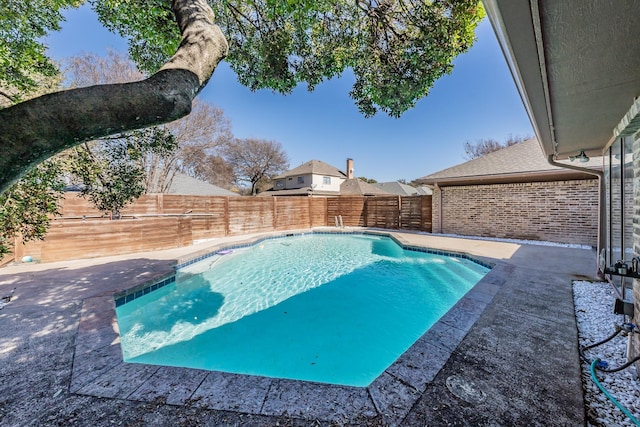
pixel 557 211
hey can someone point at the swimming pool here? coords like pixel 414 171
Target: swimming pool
pixel 326 308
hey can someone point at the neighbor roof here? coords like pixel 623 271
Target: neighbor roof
pixel 350 187
pixel 304 191
pixel 186 185
pixel 395 187
pixel 523 162
pixel 357 187
pixel 315 167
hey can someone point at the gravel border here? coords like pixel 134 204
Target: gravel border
pixel 596 320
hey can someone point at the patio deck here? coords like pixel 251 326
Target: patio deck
pixel 506 355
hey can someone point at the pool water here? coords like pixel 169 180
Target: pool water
pixel 335 309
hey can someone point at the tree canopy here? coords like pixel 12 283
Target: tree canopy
pixel 22 54
pixel 27 207
pixel 396 49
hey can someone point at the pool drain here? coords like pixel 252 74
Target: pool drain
pixel 465 390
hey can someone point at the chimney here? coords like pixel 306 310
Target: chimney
pixel 349 168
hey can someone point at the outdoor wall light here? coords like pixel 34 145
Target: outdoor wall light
pixel 582 156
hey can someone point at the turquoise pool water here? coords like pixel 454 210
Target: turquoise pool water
pixel 335 309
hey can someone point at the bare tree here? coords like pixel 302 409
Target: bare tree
pixel 198 134
pixel 211 168
pixel 486 146
pixel 203 135
pixel 91 69
pixel 253 160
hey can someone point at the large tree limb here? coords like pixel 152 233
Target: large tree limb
pixel 35 130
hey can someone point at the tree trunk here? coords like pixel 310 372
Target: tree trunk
pixel 35 130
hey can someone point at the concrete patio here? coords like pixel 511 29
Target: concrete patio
pixel 506 355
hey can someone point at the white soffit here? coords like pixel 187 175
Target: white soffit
pixel 581 70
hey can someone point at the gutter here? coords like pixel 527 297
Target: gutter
pixel 552 162
pixel 505 178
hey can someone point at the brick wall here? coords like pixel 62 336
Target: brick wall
pixel 636 243
pixel 558 211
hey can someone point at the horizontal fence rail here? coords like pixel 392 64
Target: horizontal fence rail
pixel 163 221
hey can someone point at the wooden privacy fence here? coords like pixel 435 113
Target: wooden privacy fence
pixel 162 221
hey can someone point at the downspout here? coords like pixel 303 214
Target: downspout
pixel 600 176
pixel 439 208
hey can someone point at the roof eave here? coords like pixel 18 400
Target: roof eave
pixel 517 37
pixel 512 178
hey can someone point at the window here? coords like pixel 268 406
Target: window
pixel 279 184
pixel 301 180
pixel 619 189
pixel 326 180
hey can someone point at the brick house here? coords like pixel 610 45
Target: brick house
pixel 516 193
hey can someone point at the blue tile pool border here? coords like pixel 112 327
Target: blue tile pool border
pixel 99 369
pixel 138 291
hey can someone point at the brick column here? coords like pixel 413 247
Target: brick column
pixel 436 226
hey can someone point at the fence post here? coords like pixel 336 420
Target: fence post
pixel 274 214
pixel 365 211
pixel 400 213
pixel 227 225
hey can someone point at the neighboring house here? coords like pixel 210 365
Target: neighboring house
pixel 401 189
pixel 317 178
pixel 516 193
pixel 185 185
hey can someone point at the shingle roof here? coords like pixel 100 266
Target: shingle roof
pixel 315 167
pixel 186 185
pixel 517 161
pixel 304 191
pixel 395 187
pixel 357 187
pixel 423 190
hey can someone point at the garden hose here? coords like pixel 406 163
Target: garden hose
pixel 609 396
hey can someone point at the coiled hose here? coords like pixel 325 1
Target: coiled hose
pixel 606 393
pixel 602 366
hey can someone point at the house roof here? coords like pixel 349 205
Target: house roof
pixel 350 187
pixel 357 187
pixel 315 167
pixel 395 187
pixel 523 162
pixel 304 191
pixel 186 185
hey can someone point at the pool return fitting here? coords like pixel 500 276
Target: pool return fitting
pixel 601 365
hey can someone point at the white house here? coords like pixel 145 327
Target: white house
pixel 317 178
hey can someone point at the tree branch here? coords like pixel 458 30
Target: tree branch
pixel 9 97
pixel 37 129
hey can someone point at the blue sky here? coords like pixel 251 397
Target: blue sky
pixel 478 100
